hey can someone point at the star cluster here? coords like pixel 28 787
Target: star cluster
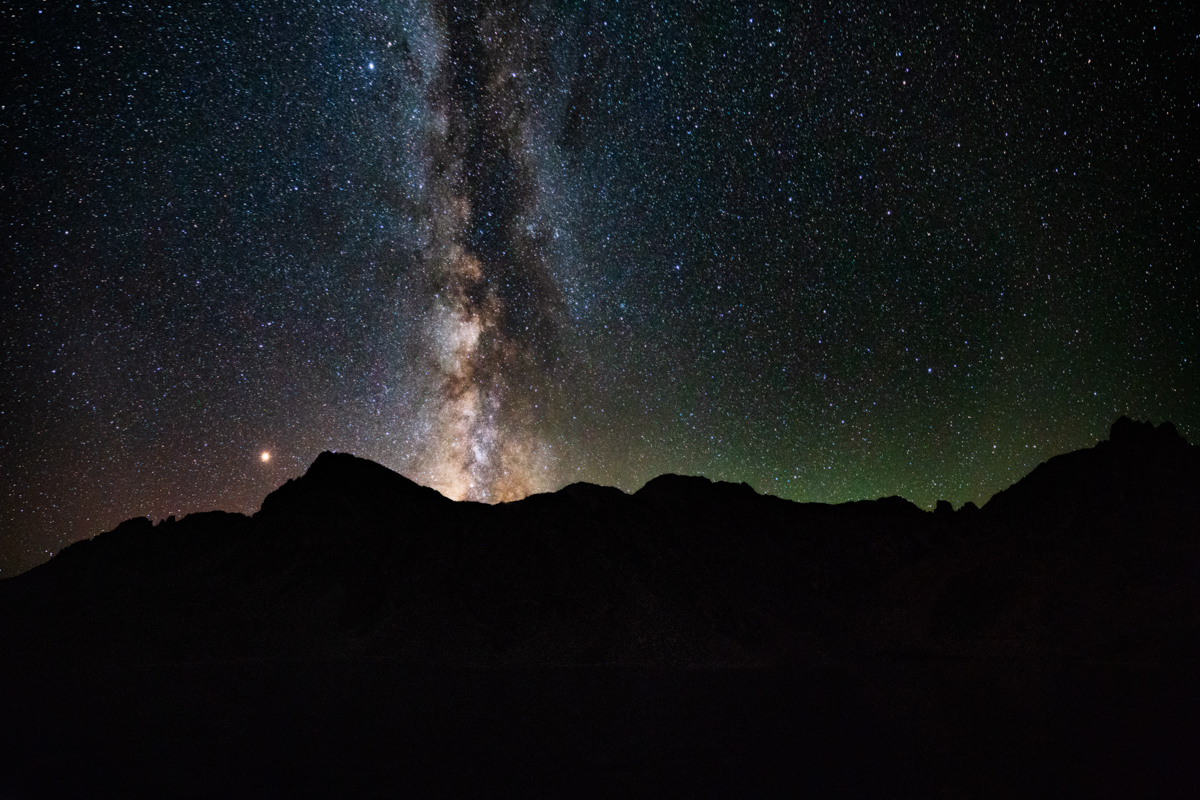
pixel 834 250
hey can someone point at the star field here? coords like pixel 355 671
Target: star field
pixel 832 250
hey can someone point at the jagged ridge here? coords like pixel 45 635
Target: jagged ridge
pixel 352 559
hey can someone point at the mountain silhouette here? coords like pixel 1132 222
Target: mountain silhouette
pixel 1091 562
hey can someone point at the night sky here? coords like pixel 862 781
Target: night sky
pixel 833 251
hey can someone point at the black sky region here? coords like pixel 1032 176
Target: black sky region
pixel 834 250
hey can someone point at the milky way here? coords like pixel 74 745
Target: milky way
pixel 834 250
pixel 490 325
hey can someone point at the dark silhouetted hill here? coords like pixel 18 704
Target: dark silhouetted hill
pixel 1092 559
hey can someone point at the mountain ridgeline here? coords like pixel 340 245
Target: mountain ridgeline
pixel 364 636
pixel 1093 555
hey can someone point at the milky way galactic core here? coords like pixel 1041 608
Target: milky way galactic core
pixel 491 323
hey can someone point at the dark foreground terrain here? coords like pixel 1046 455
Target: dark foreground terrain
pixel 373 728
pixel 363 636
